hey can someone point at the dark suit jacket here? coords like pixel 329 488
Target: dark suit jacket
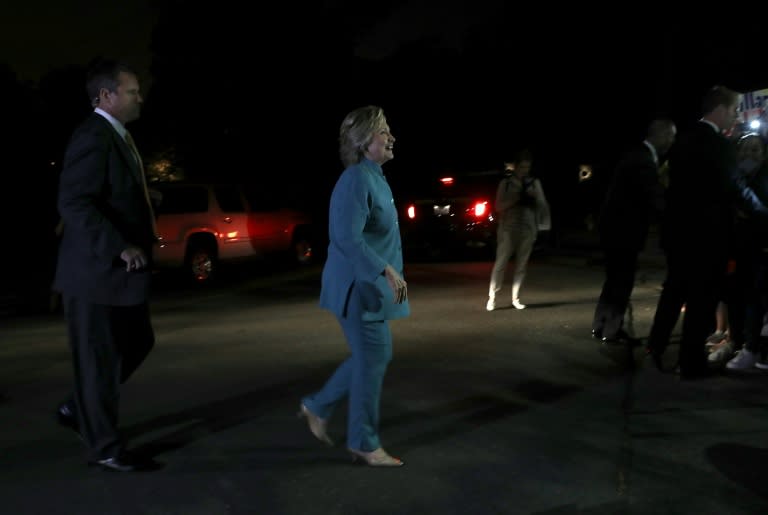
pixel 630 202
pixel 705 188
pixel 699 206
pixel 104 211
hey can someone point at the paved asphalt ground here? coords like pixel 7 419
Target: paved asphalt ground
pixel 510 412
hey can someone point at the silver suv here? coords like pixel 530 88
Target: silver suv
pixel 204 225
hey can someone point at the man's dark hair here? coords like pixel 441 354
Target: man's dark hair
pixel 104 73
pixel 717 96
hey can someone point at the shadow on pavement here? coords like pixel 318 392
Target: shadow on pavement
pixel 742 464
pixel 460 415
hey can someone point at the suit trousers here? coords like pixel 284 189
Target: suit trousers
pixel 359 378
pixel 668 308
pixel 620 270
pixel 108 344
pixel 694 279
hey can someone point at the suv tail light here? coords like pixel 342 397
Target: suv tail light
pixel 480 209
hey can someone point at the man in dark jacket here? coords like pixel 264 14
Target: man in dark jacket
pixel 624 221
pixel 104 261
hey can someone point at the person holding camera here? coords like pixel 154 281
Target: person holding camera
pixel 522 211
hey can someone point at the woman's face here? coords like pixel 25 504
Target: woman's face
pixel 523 168
pixel 379 150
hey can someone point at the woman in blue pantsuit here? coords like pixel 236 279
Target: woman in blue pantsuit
pixel 362 284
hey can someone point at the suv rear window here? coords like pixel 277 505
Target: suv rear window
pixel 229 199
pixel 183 199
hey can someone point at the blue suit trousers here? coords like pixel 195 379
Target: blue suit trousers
pixel 359 378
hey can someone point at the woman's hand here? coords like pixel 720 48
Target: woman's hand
pixel 397 283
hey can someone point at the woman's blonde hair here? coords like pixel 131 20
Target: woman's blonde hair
pixel 356 133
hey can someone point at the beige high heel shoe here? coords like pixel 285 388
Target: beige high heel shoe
pixel 377 458
pixel 317 425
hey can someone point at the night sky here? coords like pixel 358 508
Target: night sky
pixel 255 92
pixel 39 36
pixel 464 83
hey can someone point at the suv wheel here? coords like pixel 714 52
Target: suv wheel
pixel 201 263
pixel 302 249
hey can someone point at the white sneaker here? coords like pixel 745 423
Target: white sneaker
pixel 762 365
pixel 491 305
pixel 744 360
pixel 517 304
pixel 722 353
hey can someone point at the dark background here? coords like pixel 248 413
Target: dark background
pixel 255 92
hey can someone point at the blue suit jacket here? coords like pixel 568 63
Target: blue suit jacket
pixel 364 238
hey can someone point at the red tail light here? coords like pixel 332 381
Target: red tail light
pixel 411 211
pixel 481 209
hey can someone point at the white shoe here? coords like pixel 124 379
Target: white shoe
pixel 721 353
pixel 744 360
pixel 491 305
pixel 762 365
pixel 517 304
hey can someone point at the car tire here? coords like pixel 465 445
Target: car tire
pixel 303 250
pixel 201 263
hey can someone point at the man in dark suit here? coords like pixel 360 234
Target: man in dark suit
pixel 624 221
pixel 103 269
pixel 705 186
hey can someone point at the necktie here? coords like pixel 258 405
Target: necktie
pixel 137 156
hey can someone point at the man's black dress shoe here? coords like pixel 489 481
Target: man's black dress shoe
pixel 597 334
pixel 621 338
pixel 67 418
pixel 127 462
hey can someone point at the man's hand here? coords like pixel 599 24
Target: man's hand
pixel 397 283
pixel 134 258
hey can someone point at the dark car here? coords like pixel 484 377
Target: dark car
pixel 450 216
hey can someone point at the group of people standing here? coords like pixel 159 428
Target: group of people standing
pixel 108 232
pixel 714 212
pixel 712 195
pixel 738 340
